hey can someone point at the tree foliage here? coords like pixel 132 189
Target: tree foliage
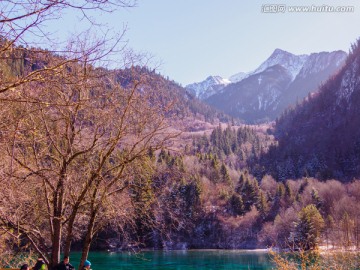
pixel 308 228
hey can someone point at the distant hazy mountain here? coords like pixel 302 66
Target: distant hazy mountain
pixel 321 136
pixel 238 77
pixel 210 86
pixel 279 82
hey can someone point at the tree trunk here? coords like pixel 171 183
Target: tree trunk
pixel 57 220
pixel 68 238
pixel 56 241
pixel 73 216
pixel 88 238
pixel 69 235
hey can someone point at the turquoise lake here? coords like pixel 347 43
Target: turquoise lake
pixel 179 260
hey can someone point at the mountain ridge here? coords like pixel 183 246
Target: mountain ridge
pixel 303 74
pixel 210 86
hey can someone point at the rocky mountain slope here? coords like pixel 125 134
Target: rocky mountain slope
pixel 321 136
pixel 210 86
pixel 279 82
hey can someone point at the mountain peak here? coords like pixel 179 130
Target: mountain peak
pixel 214 78
pixel 293 63
pixel 210 86
pixel 280 51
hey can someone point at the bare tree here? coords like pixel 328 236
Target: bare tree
pixel 70 137
pixel 69 130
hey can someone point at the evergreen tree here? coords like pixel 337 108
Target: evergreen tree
pixel 303 185
pixel 280 191
pixel 236 205
pixel 308 228
pixel 316 199
pixel 250 193
pixel 263 206
pixel 241 182
pixel 289 197
pixel 288 191
pixel 278 201
pixel 215 175
pixel 190 193
pixel 225 174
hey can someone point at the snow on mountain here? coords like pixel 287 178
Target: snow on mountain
pixel 214 84
pixel 210 86
pixel 238 77
pixel 317 62
pixel 276 84
pixel 255 97
pixel 349 83
pixel 292 63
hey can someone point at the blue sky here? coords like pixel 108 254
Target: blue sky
pixel 196 38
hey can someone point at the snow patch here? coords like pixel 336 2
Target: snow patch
pixel 349 83
pixel 210 86
pixel 238 77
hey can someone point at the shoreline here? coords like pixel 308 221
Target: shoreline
pixel 332 249
pixel 321 250
pixel 257 250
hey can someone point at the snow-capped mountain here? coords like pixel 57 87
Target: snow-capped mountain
pixel 292 63
pixel 279 82
pixel 210 86
pixel 255 97
pixel 214 84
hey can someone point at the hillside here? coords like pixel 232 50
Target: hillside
pixel 256 98
pixel 23 61
pixel 320 137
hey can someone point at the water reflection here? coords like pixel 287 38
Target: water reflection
pixel 181 260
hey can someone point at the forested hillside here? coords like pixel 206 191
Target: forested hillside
pixel 21 62
pixel 206 198
pixel 320 137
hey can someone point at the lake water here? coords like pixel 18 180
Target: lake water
pixel 179 260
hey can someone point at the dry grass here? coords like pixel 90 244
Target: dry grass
pixel 313 260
